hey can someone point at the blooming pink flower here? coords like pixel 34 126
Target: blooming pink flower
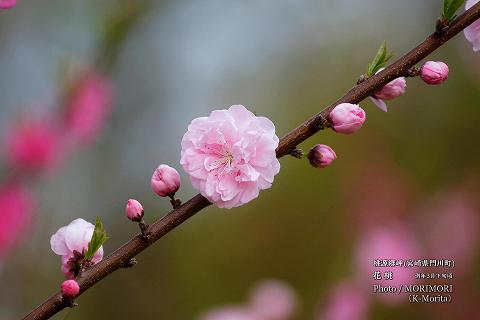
pixel 472 32
pixel 70 288
pixel 347 301
pixel 17 210
pixel 434 72
pixel 272 300
pixel 88 107
pixel 165 181
pixel 391 90
pixel 134 210
pixel 71 242
pixel 230 155
pixel 321 156
pixel 347 118
pixel 33 145
pixel 7 4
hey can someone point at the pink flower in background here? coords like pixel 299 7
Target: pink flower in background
pixel 7 4
pixel 269 300
pixel 347 118
pixel 387 243
pixel 230 155
pixel 453 214
pixel 33 145
pixel 272 300
pixel 17 210
pixel 472 32
pixel 88 107
pixel 229 313
pixel 391 90
pixel 347 301
pixel 71 242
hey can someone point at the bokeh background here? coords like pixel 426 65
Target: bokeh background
pixel 413 169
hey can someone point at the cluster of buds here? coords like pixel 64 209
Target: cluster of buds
pixel 165 182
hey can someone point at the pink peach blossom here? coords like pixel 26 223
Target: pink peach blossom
pixel 230 155
pixel 321 156
pixel 391 90
pixel 33 145
pixel 347 118
pixel 472 32
pixel 434 72
pixel 89 106
pixel 347 301
pixel 165 181
pixel 7 4
pixel 17 209
pixel 272 300
pixel 70 288
pixel 71 242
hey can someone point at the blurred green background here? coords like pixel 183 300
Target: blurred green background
pixel 285 59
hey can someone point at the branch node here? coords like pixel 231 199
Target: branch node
pixel 441 27
pixel 412 72
pixel 69 302
pixel 175 202
pixel 130 263
pixel 361 79
pixel 143 228
pixel 296 153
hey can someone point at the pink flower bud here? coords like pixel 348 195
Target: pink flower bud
pixel 347 118
pixel 321 156
pixel 391 90
pixel 165 181
pixel 434 72
pixel 70 288
pixel 134 210
pixel 7 4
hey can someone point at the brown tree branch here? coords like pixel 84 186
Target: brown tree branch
pixel 122 256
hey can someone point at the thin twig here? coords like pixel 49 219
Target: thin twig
pixel 137 244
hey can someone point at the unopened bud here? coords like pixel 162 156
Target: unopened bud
pixel 321 156
pixel 134 210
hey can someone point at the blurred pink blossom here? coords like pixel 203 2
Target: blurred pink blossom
pixel 453 214
pixel 230 155
pixel 230 313
pixel 472 32
pixel 17 209
pixel 272 300
pixel 269 300
pixel 395 242
pixel 71 242
pixel 7 4
pixel 346 301
pixel 33 145
pixel 88 107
